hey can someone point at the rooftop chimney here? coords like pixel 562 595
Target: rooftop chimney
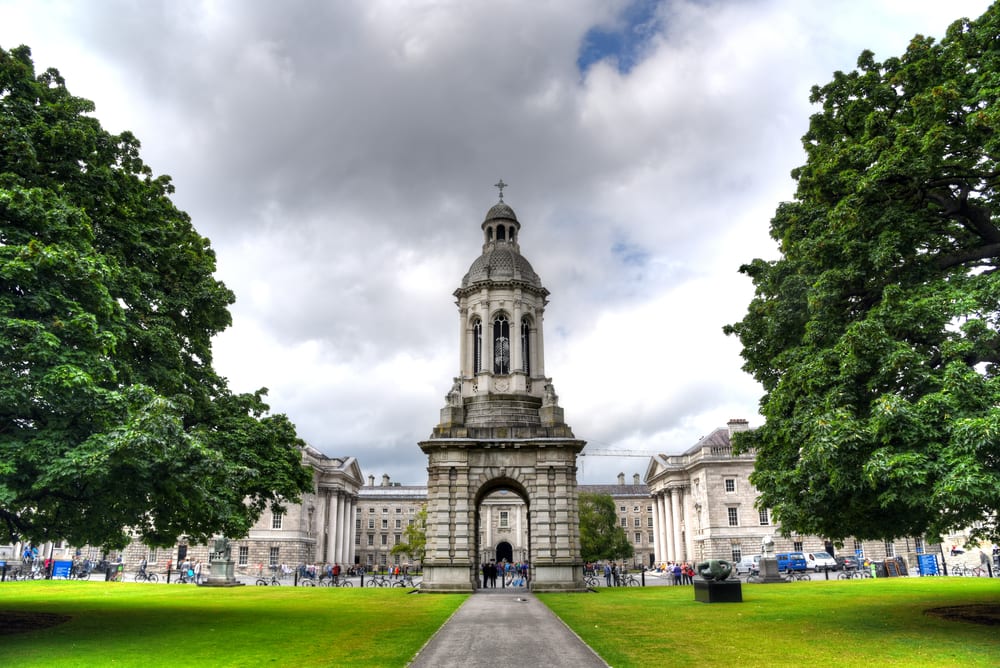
pixel 385 479
pixel 737 424
pixel 621 478
pixel 635 479
pixel 371 481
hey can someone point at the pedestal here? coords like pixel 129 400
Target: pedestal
pixel 769 572
pixel 221 574
pixel 718 591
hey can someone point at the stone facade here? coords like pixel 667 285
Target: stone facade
pixel 704 508
pixel 635 515
pixel 501 429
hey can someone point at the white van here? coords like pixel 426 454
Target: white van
pixel 819 561
pixel 747 565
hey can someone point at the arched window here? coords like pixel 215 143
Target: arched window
pixel 526 346
pixel 477 345
pixel 501 344
pixel 500 232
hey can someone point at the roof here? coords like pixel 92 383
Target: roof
pixel 615 490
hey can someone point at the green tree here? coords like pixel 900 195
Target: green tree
pixel 112 419
pixel 600 536
pixel 875 334
pixel 414 542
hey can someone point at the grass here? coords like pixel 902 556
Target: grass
pixel 169 625
pixel 843 623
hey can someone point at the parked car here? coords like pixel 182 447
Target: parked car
pixel 819 561
pixel 791 561
pixel 848 562
pixel 748 565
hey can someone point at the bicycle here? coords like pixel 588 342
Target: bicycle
pixel 629 580
pixel 378 581
pixel 854 574
pixel 145 576
pixel 591 581
pixel 754 578
pixel 405 581
pixel 795 576
pixel 959 569
pixel 264 582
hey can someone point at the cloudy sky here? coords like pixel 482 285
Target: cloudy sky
pixel 341 155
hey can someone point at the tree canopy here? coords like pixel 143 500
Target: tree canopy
pixel 600 536
pixel 414 542
pixel 112 419
pixel 875 334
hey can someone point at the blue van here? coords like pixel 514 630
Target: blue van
pixel 791 561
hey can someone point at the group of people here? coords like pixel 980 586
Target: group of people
pixel 513 575
pixel 682 573
pixel 189 571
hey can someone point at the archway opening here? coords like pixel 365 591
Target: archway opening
pixel 503 527
pixel 505 552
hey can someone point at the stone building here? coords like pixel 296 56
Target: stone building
pixel 383 513
pixel 635 515
pixel 502 429
pixel 704 507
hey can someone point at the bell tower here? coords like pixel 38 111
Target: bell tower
pixel 502 427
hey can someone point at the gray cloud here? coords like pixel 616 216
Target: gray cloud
pixel 340 157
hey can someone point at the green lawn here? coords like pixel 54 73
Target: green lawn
pixel 127 624
pixel 803 624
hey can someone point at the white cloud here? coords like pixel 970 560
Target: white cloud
pixel 340 157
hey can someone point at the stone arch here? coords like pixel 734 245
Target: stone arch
pixel 463 472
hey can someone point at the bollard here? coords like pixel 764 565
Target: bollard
pixel 295 578
pixel 168 576
pixel 826 572
pixel 642 576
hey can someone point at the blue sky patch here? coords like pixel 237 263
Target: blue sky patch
pixel 625 42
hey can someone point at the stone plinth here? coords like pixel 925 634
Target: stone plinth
pixel 718 591
pixel 221 574
pixel 769 572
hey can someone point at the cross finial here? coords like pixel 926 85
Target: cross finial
pixel 501 185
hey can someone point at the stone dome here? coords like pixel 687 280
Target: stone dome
pixel 500 210
pixel 501 262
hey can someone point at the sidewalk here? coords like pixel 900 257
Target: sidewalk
pixel 508 628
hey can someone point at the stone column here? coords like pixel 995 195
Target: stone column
pixel 464 347
pixel 675 521
pixel 668 530
pixel 516 354
pixel 689 524
pixel 539 346
pixel 656 530
pixel 342 530
pixel 352 529
pixel 333 526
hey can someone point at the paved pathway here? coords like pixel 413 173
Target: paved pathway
pixel 512 630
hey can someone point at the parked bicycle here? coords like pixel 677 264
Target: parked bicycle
pixel 629 580
pixel 854 574
pixel 378 580
pixel 795 576
pixel 405 581
pixel 264 582
pixel 591 581
pixel 146 576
